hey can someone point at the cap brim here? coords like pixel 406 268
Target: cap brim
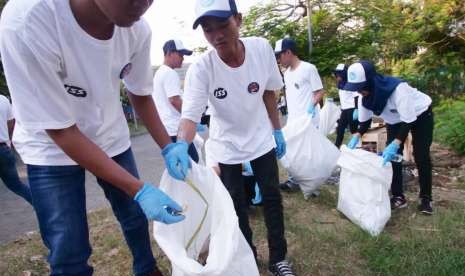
pixel 185 52
pixel 219 14
pixel 355 87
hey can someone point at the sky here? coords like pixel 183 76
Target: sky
pixel 172 19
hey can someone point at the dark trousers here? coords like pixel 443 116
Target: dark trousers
pixel 9 174
pixel 192 151
pixel 422 137
pixel 265 169
pixel 345 120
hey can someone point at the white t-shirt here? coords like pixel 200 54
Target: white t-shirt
pixel 347 99
pixel 166 84
pixel 404 105
pixel 300 85
pixel 240 129
pixel 59 76
pixel 5 115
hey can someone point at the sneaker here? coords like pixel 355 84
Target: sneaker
pixel 289 186
pixel 425 207
pixel 398 202
pixel 282 268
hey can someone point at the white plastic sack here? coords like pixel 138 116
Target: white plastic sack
pixel 329 115
pixel 363 189
pixel 310 156
pixel 228 252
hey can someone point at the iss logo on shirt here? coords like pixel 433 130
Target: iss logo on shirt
pixel 75 91
pixel 220 93
pixel 253 87
pixel 125 71
pixel 296 85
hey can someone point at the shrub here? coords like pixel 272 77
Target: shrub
pixel 450 124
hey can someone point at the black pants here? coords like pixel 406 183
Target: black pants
pixel 345 120
pixel 422 137
pixel 192 151
pixel 265 169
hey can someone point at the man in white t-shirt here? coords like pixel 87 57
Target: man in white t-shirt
pixel 167 90
pixel 304 89
pixel 238 78
pixel 8 171
pixel 64 62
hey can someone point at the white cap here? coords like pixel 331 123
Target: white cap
pixel 356 78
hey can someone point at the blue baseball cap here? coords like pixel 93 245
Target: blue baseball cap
pixel 285 44
pixel 222 9
pixel 175 45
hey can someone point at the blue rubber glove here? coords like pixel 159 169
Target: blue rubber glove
pixel 177 159
pixel 390 152
pixel 355 115
pixel 311 110
pixel 248 168
pixel 156 205
pixel 200 128
pixel 353 142
pixel 280 143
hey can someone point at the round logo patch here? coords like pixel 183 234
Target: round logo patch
pixel 220 93
pixel 352 76
pixel 206 3
pixel 125 71
pixel 253 87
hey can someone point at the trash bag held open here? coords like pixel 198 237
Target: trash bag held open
pixel 208 242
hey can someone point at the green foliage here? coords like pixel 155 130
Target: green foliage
pixel 450 124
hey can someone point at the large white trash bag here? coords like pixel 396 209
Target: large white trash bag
pixel 211 222
pixel 363 189
pixel 310 156
pixel 329 115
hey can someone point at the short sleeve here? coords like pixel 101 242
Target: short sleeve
pixel 404 101
pixel 139 81
pixel 195 97
pixel 275 80
pixel 364 114
pixel 172 84
pixel 32 70
pixel 315 80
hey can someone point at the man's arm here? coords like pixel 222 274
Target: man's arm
pixel 11 127
pixel 269 98
pixel 317 96
pixel 186 130
pixel 176 102
pixel 87 154
pixel 146 110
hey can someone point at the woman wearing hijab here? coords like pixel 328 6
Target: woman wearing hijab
pixel 404 109
pixel 348 100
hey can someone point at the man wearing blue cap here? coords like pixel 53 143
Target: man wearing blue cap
pixel 167 90
pixel 404 109
pixel 64 62
pixel 238 78
pixel 304 89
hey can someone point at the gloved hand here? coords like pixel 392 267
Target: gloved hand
pixel 311 110
pixel 353 142
pixel 355 115
pixel 390 152
pixel 177 159
pixel 156 205
pixel 280 143
pixel 200 128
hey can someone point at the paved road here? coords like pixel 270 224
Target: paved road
pixel 18 218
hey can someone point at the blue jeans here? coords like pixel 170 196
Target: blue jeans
pixel 59 198
pixel 9 174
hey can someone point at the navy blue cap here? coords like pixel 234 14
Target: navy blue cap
pixel 175 45
pixel 222 9
pixel 285 44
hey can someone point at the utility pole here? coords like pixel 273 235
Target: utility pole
pixel 309 27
